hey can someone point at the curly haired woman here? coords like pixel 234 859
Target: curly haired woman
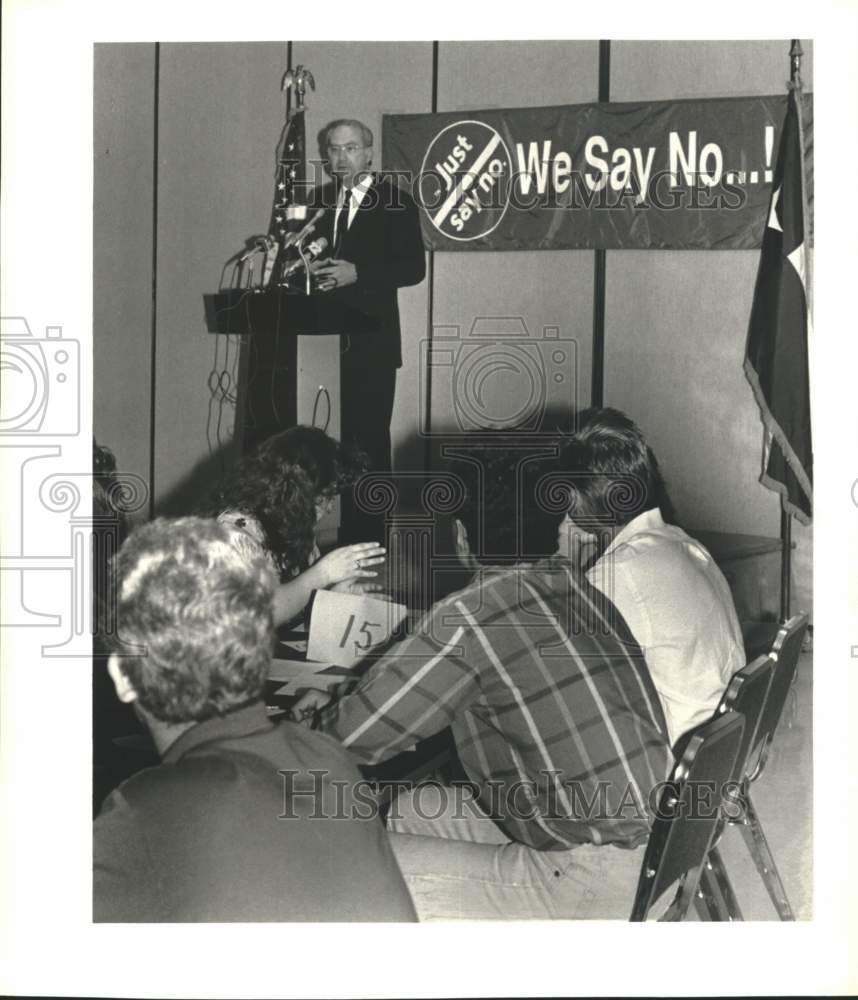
pixel 276 497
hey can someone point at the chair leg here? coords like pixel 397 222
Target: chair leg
pixel 715 899
pixel 707 901
pixel 671 914
pixel 791 713
pixel 757 844
pixel 688 892
pixel 680 903
pixel 715 868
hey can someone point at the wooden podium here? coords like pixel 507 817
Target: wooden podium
pixel 272 321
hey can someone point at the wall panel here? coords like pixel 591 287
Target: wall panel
pixel 671 70
pixel 474 75
pixel 219 117
pixel 544 288
pixel 124 166
pixel 675 339
pixel 676 321
pixel 553 290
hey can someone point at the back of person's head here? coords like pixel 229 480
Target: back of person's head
pixel 508 516
pixel 201 612
pixel 613 473
pixel 280 497
pixel 330 466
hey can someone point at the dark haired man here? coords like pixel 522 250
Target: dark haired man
pixel 373 230
pixel 243 820
pixel 666 585
pixel 554 715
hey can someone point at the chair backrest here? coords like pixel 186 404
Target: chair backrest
pixel 747 693
pixel 785 653
pixel 687 816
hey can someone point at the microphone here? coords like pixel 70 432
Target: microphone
pixel 298 237
pixel 272 251
pixel 314 250
pixel 259 243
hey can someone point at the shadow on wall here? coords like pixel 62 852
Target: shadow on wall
pixel 186 496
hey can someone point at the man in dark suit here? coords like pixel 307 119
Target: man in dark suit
pixel 373 230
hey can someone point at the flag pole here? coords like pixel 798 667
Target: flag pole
pixel 795 54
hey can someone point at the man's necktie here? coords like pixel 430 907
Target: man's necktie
pixel 342 221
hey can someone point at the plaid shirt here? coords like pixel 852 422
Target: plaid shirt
pixel 551 704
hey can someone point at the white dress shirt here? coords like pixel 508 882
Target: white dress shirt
pixel 680 610
pixel 358 193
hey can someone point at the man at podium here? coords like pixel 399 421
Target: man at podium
pixel 373 229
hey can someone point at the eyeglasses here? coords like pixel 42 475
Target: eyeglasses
pixel 350 149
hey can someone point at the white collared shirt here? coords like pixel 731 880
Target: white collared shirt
pixel 680 610
pixel 359 192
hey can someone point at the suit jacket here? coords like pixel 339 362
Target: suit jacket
pixel 385 244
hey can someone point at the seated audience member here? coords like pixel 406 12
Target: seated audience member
pixel 276 497
pixel 243 819
pixel 553 712
pixel 667 587
pixel 331 467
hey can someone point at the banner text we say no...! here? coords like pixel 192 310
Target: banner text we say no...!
pixel 680 175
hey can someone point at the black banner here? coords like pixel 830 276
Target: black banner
pixel 670 175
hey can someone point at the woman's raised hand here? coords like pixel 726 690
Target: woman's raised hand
pixel 351 562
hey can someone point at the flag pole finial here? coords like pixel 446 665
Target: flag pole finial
pixel 795 54
pixel 297 80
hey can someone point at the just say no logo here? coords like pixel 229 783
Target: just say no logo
pixel 465 180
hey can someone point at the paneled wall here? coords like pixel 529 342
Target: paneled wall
pixel 124 182
pixel 218 122
pixel 542 288
pixel 675 322
pixel 213 115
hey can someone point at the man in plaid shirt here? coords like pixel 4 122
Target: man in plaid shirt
pixel 554 715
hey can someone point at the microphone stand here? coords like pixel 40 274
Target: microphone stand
pixel 308 279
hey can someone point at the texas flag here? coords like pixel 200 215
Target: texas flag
pixel 776 356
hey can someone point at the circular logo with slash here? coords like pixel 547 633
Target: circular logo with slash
pixel 465 180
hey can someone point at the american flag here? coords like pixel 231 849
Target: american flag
pixel 289 210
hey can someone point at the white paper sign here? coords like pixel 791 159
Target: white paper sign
pixel 344 627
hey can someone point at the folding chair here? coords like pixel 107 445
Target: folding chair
pixel 785 652
pixel 758 638
pixel 747 693
pixel 684 825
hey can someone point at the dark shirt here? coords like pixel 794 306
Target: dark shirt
pixel 215 833
pixel 552 708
